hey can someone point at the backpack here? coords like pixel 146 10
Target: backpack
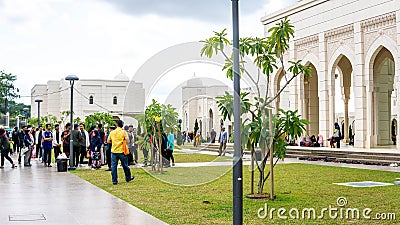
pixel 5 143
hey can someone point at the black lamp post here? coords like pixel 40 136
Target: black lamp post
pixel 237 157
pixel 38 102
pixel 71 79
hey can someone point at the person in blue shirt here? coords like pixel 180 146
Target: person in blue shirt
pixel 170 148
pixel 47 140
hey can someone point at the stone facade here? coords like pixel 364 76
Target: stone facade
pixel 199 102
pixel 357 42
pixel 119 97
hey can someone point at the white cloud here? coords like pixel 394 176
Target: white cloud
pixel 49 39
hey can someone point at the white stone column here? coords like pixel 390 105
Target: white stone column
pixel 294 96
pixel 323 88
pixel 346 120
pixel 360 89
pixel 397 74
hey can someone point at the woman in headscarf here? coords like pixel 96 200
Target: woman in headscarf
pixel 5 148
pixel 320 140
pixel 28 143
pixel 95 146
pixel 337 135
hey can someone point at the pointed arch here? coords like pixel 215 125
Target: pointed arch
pixel 310 100
pixel 284 96
pixel 342 51
pixel 381 85
pixel 381 42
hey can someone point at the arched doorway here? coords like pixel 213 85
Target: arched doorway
pixel 342 72
pixel 382 96
pixel 311 101
pixel 282 101
pixel 201 128
pixel 211 120
pixel 394 131
pixel 186 121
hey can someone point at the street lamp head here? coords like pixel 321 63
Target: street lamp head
pixel 72 77
pixel 38 100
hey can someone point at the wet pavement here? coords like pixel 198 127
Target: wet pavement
pixel 41 195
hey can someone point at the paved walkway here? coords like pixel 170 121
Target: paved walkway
pixel 40 195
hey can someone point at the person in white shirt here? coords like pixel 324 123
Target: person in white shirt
pixel 38 141
pixel 57 142
pixel 85 142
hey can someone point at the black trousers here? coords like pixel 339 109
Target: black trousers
pixel 108 156
pixel 20 146
pixel 38 150
pixel 170 156
pixel 77 150
pixel 165 156
pixel 130 158
pixel 4 154
pixel 57 151
pixel 66 149
pixel 15 147
pixel 82 154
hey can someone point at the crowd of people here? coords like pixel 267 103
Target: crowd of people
pixel 96 146
pixel 313 141
pixel 38 143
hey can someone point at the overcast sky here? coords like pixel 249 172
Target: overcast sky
pixel 45 40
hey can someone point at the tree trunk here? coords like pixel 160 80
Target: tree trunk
pixel 153 157
pixel 252 169
pixel 261 180
pixel 271 155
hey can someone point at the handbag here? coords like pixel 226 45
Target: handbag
pixel 126 149
pixel 25 150
pixel 336 133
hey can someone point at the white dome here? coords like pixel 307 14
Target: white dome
pixel 121 76
pixel 194 82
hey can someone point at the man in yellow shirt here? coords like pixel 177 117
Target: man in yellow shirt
pixel 116 138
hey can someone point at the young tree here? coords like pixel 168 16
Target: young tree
pixel 8 91
pixel 267 54
pixel 16 109
pixel 159 118
pixel 196 127
pixel 179 138
pixel 99 117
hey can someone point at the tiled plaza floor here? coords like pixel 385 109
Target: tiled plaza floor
pixel 40 195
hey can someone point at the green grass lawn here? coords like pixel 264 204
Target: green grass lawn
pixel 181 157
pixel 297 185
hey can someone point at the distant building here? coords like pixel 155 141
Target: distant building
pixel 90 96
pixel 199 102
